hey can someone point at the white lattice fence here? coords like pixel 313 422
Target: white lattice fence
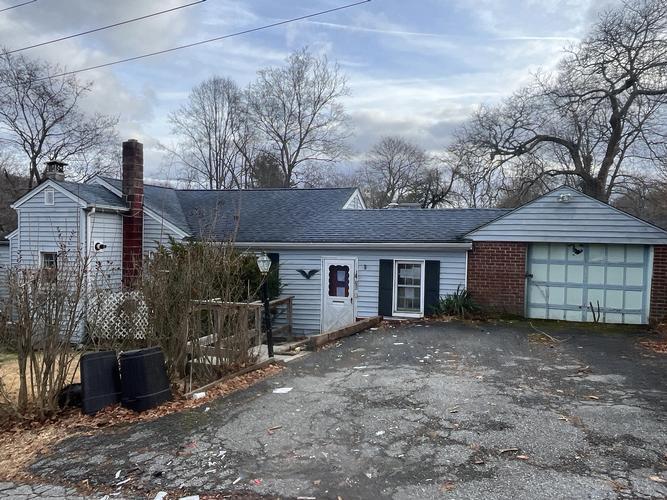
pixel 119 315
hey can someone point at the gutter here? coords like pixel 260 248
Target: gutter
pixel 464 245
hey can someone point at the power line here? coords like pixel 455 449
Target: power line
pixel 101 28
pixel 18 5
pixel 201 42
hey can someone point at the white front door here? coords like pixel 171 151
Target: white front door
pixel 338 293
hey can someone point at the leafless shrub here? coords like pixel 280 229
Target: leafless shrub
pixel 199 310
pixel 43 322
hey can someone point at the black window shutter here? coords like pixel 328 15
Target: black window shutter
pixel 386 287
pixel 432 286
pixel 275 259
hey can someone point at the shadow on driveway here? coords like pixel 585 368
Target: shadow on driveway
pixel 434 410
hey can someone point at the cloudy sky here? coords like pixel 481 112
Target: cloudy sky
pixel 415 68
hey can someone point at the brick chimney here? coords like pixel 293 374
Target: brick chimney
pixel 133 222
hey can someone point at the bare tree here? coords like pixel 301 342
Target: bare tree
pixel 392 168
pixel 41 117
pixel 210 128
pixel 602 110
pixel 297 110
pixel 434 188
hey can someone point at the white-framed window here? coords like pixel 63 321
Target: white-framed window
pixel 49 265
pixel 49 196
pixel 408 296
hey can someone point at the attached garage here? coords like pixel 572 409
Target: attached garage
pixel 567 256
pixel 579 282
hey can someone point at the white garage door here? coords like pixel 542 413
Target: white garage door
pixel 577 282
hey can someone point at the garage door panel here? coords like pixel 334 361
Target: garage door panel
pixel 537 312
pixel 556 296
pixel 614 299
pixel 635 254
pixel 575 282
pixel 613 318
pixel 556 314
pixel 538 294
pixel 557 273
pixel 558 252
pixel 632 319
pixel 574 296
pixel 633 300
pixel 575 274
pixel 615 253
pixel 540 251
pixel 596 296
pixel 634 276
pixel 540 272
pixel 596 253
pixel 615 275
pixel 596 275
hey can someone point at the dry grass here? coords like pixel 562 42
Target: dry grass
pixel 23 444
pixel 9 373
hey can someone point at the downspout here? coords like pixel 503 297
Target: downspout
pixel 89 235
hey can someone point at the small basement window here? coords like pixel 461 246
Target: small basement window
pixel 408 288
pixel 49 196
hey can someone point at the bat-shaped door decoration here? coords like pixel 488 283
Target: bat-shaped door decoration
pixel 308 274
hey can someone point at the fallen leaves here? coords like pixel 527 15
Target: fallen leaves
pixel 22 444
pixel 659 345
pixel 447 486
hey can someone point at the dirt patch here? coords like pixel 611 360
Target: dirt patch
pixel 22 444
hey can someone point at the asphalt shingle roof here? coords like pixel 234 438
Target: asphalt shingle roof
pixel 93 194
pixel 316 216
pixel 162 200
pixel 304 216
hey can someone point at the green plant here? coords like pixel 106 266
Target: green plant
pixel 459 303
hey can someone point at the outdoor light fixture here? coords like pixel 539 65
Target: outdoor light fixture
pixel 264 265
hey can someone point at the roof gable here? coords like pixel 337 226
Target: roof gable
pixel 44 185
pixel 566 214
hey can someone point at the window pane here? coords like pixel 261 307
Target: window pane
pixel 408 287
pixel 339 281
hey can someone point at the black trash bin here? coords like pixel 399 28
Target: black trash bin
pixel 144 379
pixel 100 381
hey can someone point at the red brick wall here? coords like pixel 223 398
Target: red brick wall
pixel 133 223
pixel 659 284
pixel 497 275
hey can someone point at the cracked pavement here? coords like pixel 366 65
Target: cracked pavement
pixel 428 410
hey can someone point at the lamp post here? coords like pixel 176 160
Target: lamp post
pixel 264 265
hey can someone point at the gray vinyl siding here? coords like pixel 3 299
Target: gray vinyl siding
pixel 47 228
pixel 156 234
pixel 308 293
pixel 579 220
pixel 107 228
pixel 4 268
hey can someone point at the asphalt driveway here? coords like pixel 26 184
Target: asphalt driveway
pixel 444 410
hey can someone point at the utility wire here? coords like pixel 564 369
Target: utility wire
pixel 18 5
pixel 201 42
pixel 101 28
